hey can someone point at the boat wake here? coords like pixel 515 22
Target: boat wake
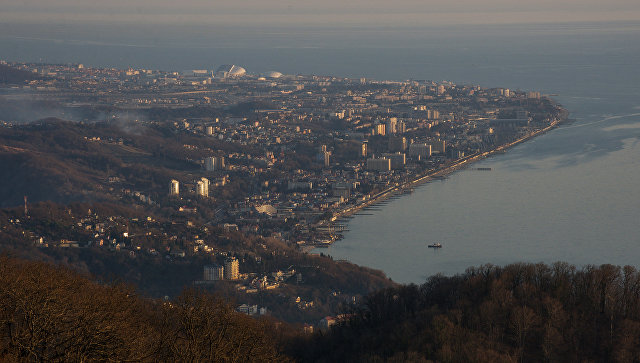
pixel 608 118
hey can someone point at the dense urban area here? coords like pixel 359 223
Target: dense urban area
pixel 230 182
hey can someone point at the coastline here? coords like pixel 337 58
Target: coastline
pixel 430 175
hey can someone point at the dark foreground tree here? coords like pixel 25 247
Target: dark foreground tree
pixel 517 313
pixel 52 314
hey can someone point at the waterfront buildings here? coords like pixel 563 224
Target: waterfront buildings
pixel 420 150
pixel 398 160
pixel 342 189
pixel 290 141
pixel 379 164
pixel 438 146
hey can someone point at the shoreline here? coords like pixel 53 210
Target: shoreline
pixel 428 176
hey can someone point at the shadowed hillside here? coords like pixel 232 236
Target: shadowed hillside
pixel 10 75
pixel 51 314
pixel 517 313
pixel 66 161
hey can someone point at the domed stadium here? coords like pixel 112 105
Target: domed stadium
pixel 231 70
pixel 273 74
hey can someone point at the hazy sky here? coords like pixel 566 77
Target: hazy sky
pixel 314 12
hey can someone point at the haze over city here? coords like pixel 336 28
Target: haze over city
pixel 318 13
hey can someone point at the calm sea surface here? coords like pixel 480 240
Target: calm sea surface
pixel 571 195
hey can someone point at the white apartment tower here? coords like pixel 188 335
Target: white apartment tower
pixel 174 188
pixel 203 187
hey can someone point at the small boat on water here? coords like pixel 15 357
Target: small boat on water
pixel 435 245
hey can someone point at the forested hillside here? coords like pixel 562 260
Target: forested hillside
pixel 517 313
pixel 521 312
pixel 51 314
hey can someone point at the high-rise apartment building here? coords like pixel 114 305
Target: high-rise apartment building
pixel 231 269
pixel 174 188
pixel 381 164
pixel 438 146
pixel 398 160
pixel 203 187
pixel 420 150
pixel 213 163
pixel 213 272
